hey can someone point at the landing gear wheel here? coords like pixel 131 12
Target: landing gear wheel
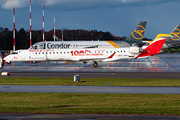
pixel 12 65
pixel 95 64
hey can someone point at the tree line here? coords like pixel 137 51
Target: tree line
pixel 22 37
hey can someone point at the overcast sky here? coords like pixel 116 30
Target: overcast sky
pixel 119 17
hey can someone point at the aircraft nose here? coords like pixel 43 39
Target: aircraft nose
pixel 6 58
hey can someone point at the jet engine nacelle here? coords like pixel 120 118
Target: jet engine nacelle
pixel 134 50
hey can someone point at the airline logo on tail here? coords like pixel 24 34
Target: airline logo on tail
pixel 138 33
pixel 153 49
pixel 175 34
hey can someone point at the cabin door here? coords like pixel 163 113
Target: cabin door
pixel 23 54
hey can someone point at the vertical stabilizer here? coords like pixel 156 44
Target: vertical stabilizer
pixel 137 34
pixel 175 33
pixel 153 49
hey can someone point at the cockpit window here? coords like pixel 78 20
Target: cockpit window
pixel 14 53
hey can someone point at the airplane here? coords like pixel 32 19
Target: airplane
pixel 172 40
pixel 136 36
pixel 94 55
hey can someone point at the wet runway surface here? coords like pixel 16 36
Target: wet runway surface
pixel 11 116
pixel 90 89
pixel 158 63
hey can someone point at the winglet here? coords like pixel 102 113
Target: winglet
pixel 112 55
pixel 153 49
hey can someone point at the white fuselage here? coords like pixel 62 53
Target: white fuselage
pixel 93 54
pixel 79 44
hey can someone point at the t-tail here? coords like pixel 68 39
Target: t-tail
pixel 153 49
pixel 138 33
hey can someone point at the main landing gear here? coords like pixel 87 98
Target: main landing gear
pixel 95 64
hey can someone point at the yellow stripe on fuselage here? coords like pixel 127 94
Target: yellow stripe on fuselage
pixel 162 36
pixel 113 44
pixel 149 41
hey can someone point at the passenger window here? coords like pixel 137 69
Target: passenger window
pixel 53 52
pixel 49 52
pixel 42 52
pixel 57 52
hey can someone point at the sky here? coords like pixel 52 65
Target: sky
pixel 119 17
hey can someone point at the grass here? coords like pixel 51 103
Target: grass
pixel 77 103
pixel 88 81
pixel 173 50
pixel 90 103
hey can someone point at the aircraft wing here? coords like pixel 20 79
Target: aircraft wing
pixel 173 45
pixel 97 59
pixel 92 46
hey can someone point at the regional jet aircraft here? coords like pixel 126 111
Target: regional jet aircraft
pixel 134 38
pixel 85 55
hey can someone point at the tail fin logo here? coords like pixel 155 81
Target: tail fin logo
pixel 175 34
pixel 138 33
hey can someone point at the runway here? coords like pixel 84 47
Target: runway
pixel 90 89
pixel 158 63
pixel 12 116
